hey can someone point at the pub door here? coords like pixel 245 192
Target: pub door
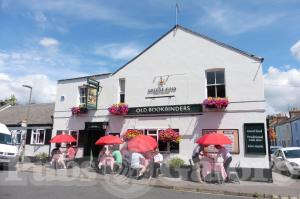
pixel 91 148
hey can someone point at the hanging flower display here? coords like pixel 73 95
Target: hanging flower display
pixel 118 109
pixel 169 135
pixel 76 110
pixel 218 102
pixel 131 133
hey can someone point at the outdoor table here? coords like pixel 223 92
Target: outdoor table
pixel 209 165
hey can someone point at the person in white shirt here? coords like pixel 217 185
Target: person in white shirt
pixel 136 159
pixel 224 153
pixel 157 160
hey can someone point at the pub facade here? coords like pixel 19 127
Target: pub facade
pixel 171 84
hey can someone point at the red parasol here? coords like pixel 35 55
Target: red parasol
pixel 63 138
pixel 109 140
pixel 142 144
pixel 213 139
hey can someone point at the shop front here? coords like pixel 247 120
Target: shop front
pixel 185 82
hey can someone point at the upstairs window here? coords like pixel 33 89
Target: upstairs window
pixel 82 95
pixel 122 90
pixel 215 83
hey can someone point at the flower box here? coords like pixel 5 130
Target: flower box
pixel 169 135
pixel 76 110
pixel 215 103
pixel 118 109
pixel 131 133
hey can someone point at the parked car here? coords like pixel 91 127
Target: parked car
pixel 287 160
pixel 274 148
pixel 8 151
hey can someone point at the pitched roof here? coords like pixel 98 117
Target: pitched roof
pixel 97 75
pixel 256 58
pixel 39 114
pixel 288 120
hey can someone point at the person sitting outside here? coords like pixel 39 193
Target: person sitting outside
pixel 117 156
pixel 157 162
pixel 224 153
pixel 55 154
pixel 136 160
pixel 126 160
pixel 105 158
pixel 70 155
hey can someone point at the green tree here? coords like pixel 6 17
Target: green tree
pixel 12 100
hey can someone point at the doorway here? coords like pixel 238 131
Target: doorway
pixel 90 147
pixel 88 137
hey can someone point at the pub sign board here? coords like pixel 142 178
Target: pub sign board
pixel 92 93
pixel 168 109
pixel 254 135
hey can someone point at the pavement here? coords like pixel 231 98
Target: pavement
pixel 60 187
pixel 282 187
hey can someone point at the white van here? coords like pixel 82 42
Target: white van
pixel 8 151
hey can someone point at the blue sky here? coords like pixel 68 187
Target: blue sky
pixel 42 41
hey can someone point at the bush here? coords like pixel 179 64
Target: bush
pixel 176 162
pixel 41 156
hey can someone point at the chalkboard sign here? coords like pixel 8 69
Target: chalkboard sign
pixel 254 135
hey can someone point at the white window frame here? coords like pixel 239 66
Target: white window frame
pixel 122 92
pixel 82 98
pixel 37 139
pixel 69 133
pixel 15 134
pixel 215 82
pixel 146 132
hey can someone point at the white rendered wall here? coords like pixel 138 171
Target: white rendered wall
pixel 185 58
pixel 33 150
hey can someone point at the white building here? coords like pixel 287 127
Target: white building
pixel 164 87
pixel 39 128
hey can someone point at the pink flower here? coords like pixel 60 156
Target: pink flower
pixel 169 135
pixel 118 109
pixel 218 103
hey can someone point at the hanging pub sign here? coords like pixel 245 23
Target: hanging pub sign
pixel 254 135
pixel 92 93
pixel 169 109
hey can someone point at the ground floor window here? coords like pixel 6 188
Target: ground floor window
pixel 232 134
pixel 16 135
pixel 38 136
pixel 162 146
pixel 74 133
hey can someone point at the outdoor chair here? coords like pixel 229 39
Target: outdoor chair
pixel 71 162
pixel 105 168
pixel 134 173
pixel 233 175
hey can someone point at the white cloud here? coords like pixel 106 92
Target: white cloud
pixel 295 50
pixel 49 42
pixel 233 20
pixel 55 64
pixel 282 89
pixel 43 89
pixel 118 51
pixel 86 10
